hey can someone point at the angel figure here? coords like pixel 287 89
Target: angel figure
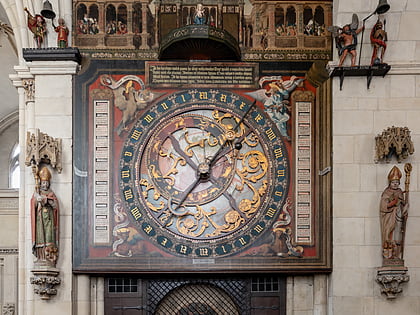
pixel 130 96
pixel 346 39
pixel 274 94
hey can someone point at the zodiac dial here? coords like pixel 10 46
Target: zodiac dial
pixel 204 173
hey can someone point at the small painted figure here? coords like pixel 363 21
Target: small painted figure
pixel 63 33
pixel 346 39
pixel 199 15
pixel 111 28
pixel 378 38
pixel 393 214
pixel 212 21
pixel 37 26
pixel 44 221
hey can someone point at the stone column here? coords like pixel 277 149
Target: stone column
pixel 271 34
pixel 144 34
pixel 101 25
pixel 129 18
pixel 157 21
pixel 82 301
pixel 178 15
pixel 242 35
pixel 299 24
pixel 50 111
pixel 219 17
pixel 26 95
pixel 321 294
pixel 256 35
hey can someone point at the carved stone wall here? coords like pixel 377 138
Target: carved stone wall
pixel 8 251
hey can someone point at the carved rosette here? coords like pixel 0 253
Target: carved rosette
pixel 9 309
pixel 44 282
pixel 391 278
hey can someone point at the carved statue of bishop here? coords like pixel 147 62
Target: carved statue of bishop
pixel 393 215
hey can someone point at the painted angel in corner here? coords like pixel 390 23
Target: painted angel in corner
pixel 346 40
pixel 274 94
pixel 130 95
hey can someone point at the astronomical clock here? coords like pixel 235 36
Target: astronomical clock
pixel 198 177
pixel 204 173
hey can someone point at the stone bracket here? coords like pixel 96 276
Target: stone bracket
pixel 359 71
pixel 390 278
pixel 45 281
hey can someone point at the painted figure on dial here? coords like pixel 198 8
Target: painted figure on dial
pixel 393 215
pixel 44 221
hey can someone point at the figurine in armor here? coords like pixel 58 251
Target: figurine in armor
pixel 378 38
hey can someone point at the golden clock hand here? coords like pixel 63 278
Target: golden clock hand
pixel 222 146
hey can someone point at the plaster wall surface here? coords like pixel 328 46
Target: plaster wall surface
pixel 359 114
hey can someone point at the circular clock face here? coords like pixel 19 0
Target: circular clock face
pixel 204 173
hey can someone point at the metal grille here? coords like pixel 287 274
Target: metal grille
pixel 201 297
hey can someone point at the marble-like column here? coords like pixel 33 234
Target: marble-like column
pixel 25 295
pixel 144 34
pixel 49 109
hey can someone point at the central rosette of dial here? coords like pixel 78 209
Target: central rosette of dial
pixel 188 150
pixel 204 170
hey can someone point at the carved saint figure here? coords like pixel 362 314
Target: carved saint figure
pixel 37 26
pixel 378 38
pixel 393 215
pixel 44 221
pixel 63 33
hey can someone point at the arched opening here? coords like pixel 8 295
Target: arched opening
pixel 82 19
pixel 205 299
pixel 111 18
pixel 93 19
pixel 14 167
pixel 291 21
pixel 308 21
pixel 319 15
pixel 137 19
pixel 279 21
pixel 122 19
